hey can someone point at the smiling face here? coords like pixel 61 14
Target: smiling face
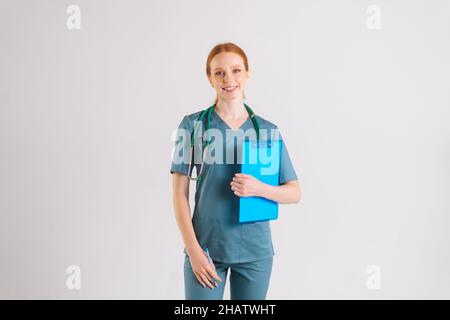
pixel 228 75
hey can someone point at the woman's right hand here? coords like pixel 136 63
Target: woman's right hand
pixel 203 270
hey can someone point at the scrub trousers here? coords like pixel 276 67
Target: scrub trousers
pixel 248 281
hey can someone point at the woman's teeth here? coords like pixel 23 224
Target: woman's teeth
pixel 229 89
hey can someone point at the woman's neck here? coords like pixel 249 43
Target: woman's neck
pixel 233 109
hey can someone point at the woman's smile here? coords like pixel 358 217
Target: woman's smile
pixel 229 89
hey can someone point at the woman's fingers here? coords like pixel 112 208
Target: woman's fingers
pixel 208 276
pixel 239 191
pixel 239 180
pixel 237 185
pixel 213 273
pixel 206 280
pixel 197 275
pixel 237 188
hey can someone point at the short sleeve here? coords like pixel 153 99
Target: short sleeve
pixel 287 171
pixel 181 148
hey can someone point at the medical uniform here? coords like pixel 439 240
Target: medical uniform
pixel 247 248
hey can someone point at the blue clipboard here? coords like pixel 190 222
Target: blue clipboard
pixel 261 160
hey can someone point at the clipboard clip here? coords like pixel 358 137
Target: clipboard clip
pixel 261 144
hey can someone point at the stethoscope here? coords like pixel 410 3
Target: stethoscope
pixel 208 112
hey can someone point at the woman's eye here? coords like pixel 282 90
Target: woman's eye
pixel 237 70
pixel 218 73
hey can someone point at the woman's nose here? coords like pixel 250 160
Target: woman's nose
pixel 227 77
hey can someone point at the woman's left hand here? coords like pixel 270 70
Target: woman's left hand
pixel 246 185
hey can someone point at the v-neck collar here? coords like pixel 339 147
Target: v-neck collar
pixel 226 124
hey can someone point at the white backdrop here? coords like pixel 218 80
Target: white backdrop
pixel 359 90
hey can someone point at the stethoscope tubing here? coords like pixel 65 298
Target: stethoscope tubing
pixel 208 112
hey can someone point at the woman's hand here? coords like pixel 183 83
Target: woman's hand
pixel 246 185
pixel 203 270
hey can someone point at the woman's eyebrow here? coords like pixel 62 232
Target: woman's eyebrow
pixel 236 65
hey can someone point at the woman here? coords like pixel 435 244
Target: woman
pixel 244 249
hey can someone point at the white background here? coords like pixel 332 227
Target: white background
pixel 87 117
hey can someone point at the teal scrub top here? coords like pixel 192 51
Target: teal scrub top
pixel 215 217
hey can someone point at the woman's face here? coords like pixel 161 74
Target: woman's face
pixel 228 75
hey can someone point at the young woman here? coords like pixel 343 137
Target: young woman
pixel 215 241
